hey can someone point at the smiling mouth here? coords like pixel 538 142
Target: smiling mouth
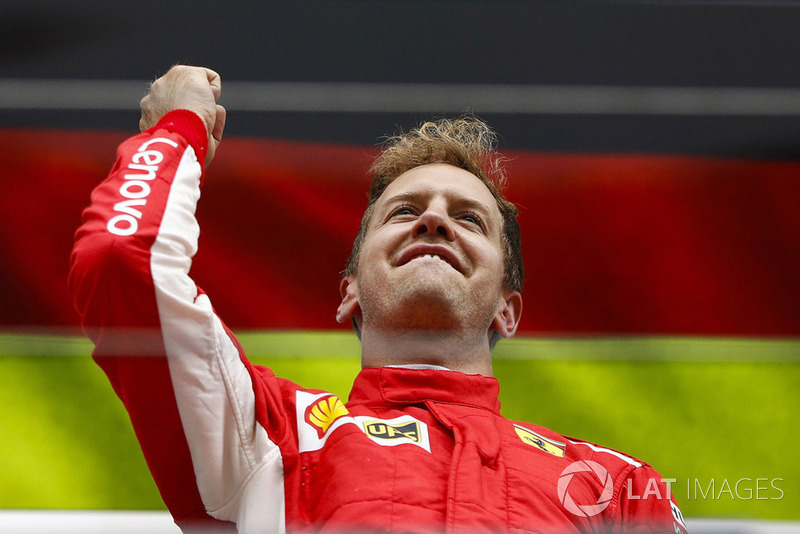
pixel 433 254
pixel 430 257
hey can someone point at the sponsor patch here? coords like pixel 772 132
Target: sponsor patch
pixel 556 448
pixel 381 430
pixel 397 431
pixel 317 416
pixel 324 412
pixel 320 414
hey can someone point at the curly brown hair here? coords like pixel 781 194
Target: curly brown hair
pixel 465 142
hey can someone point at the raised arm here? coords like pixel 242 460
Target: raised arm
pixel 180 373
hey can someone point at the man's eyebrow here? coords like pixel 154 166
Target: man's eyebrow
pixel 460 201
pixel 473 204
pixel 405 196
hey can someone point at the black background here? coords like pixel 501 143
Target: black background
pixel 672 44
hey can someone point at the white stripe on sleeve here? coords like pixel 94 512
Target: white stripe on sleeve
pixel 235 463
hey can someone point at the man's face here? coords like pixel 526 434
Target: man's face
pixel 432 258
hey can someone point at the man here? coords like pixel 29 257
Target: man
pixel 433 281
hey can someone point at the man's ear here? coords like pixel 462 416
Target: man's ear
pixel 509 311
pixel 349 307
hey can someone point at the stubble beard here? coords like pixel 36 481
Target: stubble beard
pixel 425 304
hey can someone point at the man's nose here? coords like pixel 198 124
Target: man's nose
pixel 433 220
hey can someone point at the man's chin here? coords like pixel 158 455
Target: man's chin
pixel 428 307
pixel 419 299
pixel 432 289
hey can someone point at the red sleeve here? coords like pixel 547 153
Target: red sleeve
pixel 113 287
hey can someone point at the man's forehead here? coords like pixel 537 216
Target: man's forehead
pixel 441 178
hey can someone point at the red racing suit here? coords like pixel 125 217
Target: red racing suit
pixel 233 447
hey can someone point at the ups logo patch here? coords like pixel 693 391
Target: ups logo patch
pixel 381 430
pixel 403 430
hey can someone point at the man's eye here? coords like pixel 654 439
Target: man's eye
pixel 471 218
pixel 403 210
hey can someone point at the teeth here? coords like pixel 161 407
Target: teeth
pixel 432 256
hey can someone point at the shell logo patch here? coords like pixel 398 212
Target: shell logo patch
pixel 324 412
pixel 318 415
pixel 556 448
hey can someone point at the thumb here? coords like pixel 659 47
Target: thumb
pixel 219 124
pixel 215 137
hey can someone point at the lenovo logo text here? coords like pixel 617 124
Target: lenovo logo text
pixel 136 187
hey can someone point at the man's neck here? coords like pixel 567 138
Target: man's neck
pixel 457 353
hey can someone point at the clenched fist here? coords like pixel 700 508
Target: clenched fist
pixel 183 87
